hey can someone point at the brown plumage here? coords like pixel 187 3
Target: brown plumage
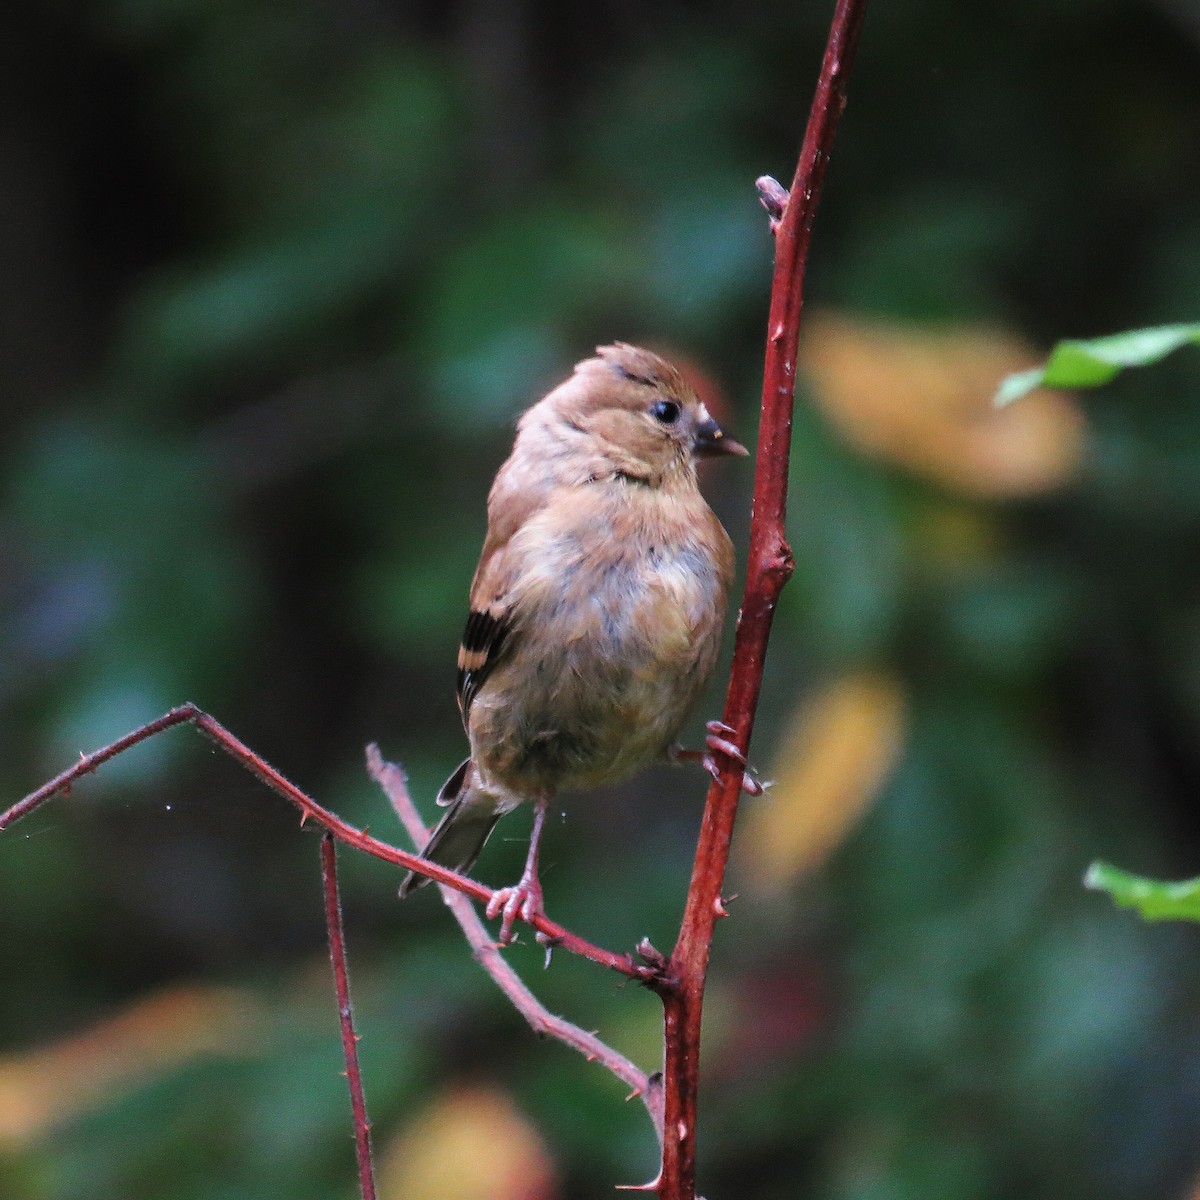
pixel 597 606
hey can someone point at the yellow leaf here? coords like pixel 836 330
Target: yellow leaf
pixel 922 399
pixel 42 1087
pixel 837 753
pixel 471 1143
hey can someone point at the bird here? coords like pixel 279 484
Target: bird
pixel 596 610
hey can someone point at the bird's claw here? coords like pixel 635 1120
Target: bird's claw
pixel 718 739
pixel 523 900
pixel 750 785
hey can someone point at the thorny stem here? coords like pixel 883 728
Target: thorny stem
pixel 341 985
pixel 189 714
pixel 769 568
pixel 647 1088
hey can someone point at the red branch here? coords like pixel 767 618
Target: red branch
pixel 341 985
pixel 769 568
pixel 360 839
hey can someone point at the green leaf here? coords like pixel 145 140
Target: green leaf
pixel 1074 364
pixel 1154 899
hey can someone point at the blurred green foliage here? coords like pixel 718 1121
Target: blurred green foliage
pixel 1153 899
pixel 1075 364
pixel 277 279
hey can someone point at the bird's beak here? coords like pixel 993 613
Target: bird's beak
pixel 712 440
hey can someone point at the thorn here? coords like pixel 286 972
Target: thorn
pixel 650 956
pixel 652 1186
pixel 637 1091
pixel 719 908
pixel 774 197
pixel 303 818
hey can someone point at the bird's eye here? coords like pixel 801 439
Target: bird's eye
pixel 666 411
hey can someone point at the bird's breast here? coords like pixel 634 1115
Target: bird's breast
pixel 619 617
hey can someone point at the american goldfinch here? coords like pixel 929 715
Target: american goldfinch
pixel 596 609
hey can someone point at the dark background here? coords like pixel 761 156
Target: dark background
pixel 276 279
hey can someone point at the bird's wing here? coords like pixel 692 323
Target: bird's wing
pixel 489 634
pixel 484 640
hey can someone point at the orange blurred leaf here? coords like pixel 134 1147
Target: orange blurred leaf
pixel 922 399
pixel 42 1087
pixel 836 754
pixel 471 1143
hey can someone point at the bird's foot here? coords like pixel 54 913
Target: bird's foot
pixel 717 739
pixel 523 900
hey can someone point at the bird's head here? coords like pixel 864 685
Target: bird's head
pixel 639 414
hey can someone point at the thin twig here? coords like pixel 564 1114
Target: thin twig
pixel 360 839
pixel 89 762
pixel 341 984
pixel 769 568
pixel 648 1088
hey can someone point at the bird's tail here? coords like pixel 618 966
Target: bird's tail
pixel 459 836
